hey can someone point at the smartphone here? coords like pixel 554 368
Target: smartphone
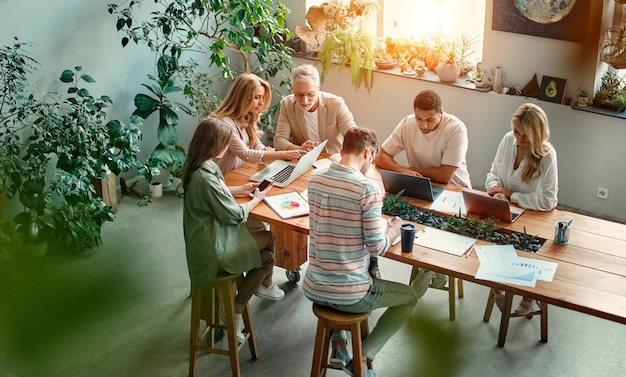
pixel 262 186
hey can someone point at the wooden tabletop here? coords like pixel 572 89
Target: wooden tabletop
pixel 591 272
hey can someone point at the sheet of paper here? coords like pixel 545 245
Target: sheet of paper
pixel 507 273
pixel 445 241
pixel 496 253
pixel 544 270
pixel 322 163
pixel 450 202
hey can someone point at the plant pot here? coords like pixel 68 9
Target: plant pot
pixel 156 189
pixel 582 101
pixel 606 105
pixel 448 72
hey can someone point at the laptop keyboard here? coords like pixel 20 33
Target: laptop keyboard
pixel 283 175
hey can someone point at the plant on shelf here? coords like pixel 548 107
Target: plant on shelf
pixel 52 148
pixel 395 205
pixel 613 49
pixel 336 31
pixel 454 57
pixel 612 92
pixel 583 97
pixel 225 33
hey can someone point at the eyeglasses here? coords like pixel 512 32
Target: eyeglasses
pixel 310 95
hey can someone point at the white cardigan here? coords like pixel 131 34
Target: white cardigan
pixel 541 194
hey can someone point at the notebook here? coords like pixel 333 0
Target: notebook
pixel 481 204
pixel 415 187
pixel 282 173
pixel 288 205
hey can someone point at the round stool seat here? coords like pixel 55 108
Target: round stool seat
pixel 337 316
pixel 329 319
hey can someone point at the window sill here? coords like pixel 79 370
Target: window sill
pixel 597 110
pixel 462 82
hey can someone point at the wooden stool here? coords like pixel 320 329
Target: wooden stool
pixel 203 306
pixel 507 313
pixel 330 319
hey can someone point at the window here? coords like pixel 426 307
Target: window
pixel 419 19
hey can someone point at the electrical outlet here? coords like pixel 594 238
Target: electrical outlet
pixel 603 193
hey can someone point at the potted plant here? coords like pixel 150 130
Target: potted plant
pixel 613 49
pixel 175 30
pixel 336 32
pixel 52 148
pixel 583 97
pixel 453 58
pixel 167 153
pixel 612 92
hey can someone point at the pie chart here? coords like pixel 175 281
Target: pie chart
pixel 545 11
pixel 289 204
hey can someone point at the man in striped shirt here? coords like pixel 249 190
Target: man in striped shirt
pixel 346 229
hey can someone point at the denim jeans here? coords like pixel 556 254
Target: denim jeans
pixel 398 298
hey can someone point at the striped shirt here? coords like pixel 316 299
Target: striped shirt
pixel 345 230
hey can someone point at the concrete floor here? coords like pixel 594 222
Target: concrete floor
pixel 123 310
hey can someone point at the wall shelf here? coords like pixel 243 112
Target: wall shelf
pixel 597 110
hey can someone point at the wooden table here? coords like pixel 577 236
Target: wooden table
pixel 591 272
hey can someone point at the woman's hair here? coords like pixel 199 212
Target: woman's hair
pixel 211 137
pixel 238 101
pixel 534 121
pixel 357 139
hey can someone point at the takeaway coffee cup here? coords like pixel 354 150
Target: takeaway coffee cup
pixel 407 236
pixel 561 232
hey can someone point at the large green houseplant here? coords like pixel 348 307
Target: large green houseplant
pixel 52 147
pixel 212 30
pixel 167 153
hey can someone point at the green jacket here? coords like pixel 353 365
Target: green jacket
pixel 214 228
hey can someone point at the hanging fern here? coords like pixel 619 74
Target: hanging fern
pixel 354 48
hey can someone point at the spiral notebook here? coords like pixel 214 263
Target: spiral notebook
pixel 288 205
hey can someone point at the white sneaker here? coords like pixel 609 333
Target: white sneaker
pixel 240 328
pixel 439 281
pixel 271 293
pixel 422 281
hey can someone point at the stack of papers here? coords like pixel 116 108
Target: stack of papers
pixel 445 241
pixel 500 263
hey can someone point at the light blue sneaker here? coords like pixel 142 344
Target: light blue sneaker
pixel 349 369
pixel 339 358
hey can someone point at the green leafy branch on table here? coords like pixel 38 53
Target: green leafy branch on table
pixel 486 230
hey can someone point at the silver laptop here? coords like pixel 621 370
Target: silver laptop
pixel 482 204
pixel 282 173
pixel 413 186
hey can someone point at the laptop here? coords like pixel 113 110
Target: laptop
pixel 482 204
pixel 282 173
pixel 415 187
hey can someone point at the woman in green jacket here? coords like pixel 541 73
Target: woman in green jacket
pixel 216 236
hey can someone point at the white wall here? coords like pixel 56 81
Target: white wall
pixel 589 146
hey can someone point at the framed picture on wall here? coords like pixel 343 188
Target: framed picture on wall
pixel 552 89
pixel 564 19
